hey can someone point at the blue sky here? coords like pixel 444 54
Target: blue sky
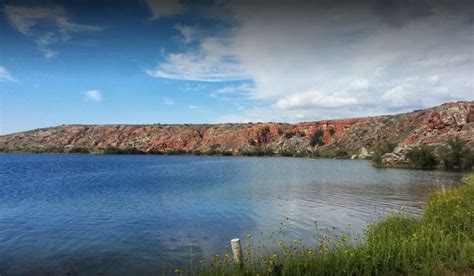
pixel 65 62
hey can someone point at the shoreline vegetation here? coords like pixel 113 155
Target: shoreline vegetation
pixel 440 242
pixel 454 156
pixel 214 150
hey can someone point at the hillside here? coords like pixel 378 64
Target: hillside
pixel 434 125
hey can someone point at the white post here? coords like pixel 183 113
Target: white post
pixel 237 251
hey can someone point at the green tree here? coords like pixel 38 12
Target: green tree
pixel 289 134
pixel 422 157
pixel 332 131
pixel 457 155
pixel 317 138
pixel 380 149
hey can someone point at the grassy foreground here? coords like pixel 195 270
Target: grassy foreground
pixel 441 242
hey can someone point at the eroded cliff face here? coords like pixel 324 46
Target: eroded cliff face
pixel 429 126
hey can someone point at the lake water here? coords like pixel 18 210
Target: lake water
pixel 135 214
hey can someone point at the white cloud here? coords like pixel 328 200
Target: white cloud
pixel 93 95
pixel 168 101
pixel 314 99
pixel 194 107
pixel 187 32
pixel 433 80
pixel 244 88
pixel 5 75
pixel 331 60
pixel 210 62
pixel 163 8
pixel 45 25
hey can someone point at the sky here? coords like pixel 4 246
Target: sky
pixel 165 61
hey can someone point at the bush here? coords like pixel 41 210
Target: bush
pixel 422 157
pixel 252 142
pixel 332 131
pixel 227 153
pixel 214 149
pixel 300 154
pixel 78 150
pixel 342 154
pixel 317 138
pixel 155 152
pixel 456 156
pixel 289 134
pixel 259 152
pixel 114 150
pixel 316 154
pixel 176 152
pixel 380 149
pixel 287 153
pixel 47 150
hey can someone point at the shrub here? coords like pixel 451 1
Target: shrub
pixel 422 157
pixel 317 138
pixel 78 150
pixel 214 149
pixel 287 153
pixel 332 131
pixel 300 154
pixel 114 150
pixel 342 154
pixel 227 153
pixel 289 134
pixel 456 156
pixel 252 142
pixel 176 152
pixel 258 152
pixel 380 149
pixel 316 154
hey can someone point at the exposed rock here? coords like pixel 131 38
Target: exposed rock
pixel 435 125
pixel 363 154
pixel 397 157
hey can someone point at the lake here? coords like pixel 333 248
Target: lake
pixel 139 214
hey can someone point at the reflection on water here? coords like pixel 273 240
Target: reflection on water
pixel 124 214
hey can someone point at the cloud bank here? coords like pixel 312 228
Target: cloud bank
pixel 310 61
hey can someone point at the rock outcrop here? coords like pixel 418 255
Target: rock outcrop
pixel 434 125
pixel 397 157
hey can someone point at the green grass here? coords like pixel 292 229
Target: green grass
pixel 441 242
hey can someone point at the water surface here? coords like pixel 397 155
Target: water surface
pixel 114 214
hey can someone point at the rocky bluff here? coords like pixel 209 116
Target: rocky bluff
pixel 434 125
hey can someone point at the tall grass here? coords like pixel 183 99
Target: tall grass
pixel 441 242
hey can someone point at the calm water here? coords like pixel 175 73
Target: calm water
pixel 91 214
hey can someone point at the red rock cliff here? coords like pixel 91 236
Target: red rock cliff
pixel 433 125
